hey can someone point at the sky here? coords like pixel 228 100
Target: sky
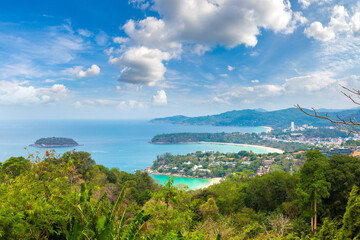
pixel 141 59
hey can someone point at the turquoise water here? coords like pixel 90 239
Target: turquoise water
pixel 120 144
pixel 192 183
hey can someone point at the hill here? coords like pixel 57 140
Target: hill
pixel 276 119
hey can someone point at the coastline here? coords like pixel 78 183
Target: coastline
pixel 213 181
pixel 269 149
pixel 269 129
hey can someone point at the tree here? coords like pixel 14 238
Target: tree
pixel 351 220
pixel 342 172
pixel 14 166
pixel 313 187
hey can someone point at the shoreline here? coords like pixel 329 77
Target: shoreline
pixel 269 129
pixel 213 181
pixel 269 149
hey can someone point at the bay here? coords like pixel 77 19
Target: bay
pixel 112 143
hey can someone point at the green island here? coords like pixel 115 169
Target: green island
pixel 72 197
pixel 54 142
pixel 237 138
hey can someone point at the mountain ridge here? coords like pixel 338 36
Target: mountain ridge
pixel 252 118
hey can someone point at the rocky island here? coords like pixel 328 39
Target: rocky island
pixel 54 142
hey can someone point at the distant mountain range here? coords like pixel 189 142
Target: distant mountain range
pixel 251 118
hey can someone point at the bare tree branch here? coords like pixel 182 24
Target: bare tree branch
pixel 349 124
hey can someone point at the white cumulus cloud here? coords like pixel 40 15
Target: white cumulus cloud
pixel 21 93
pixel 141 65
pixel 160 98
pixel 340 22
pixel 93 70
pixel 78 72
pixel 197 27
pixel 230 68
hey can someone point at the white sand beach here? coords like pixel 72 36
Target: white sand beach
pixel 213 181
pixel 269 149
pixel 269 129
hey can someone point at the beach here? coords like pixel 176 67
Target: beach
pixel 192 182
pixel 269 129
pixel 269 149
pixel 214 181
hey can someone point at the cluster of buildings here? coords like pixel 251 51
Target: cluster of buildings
pixel 296 136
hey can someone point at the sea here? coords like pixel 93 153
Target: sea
pixel 122 144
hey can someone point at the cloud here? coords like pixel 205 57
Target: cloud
pixel 120 40
pixel 20 93
pixel 101 38
pixel 153 33
pixel 338 23
pixel 306 3
pixel 317 31
pixel 309 83
pixel 228 23
pixel 141 65
pixel 230 68
pixel 142 4
pixel 85 32
pixel 160 98
pixel 93 70
pixel 124 104
pixel 78 72
pixel 322 81
pixel 52 45
pixel 24 70
pixel 197 27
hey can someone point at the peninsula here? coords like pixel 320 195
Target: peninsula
pixel 54 142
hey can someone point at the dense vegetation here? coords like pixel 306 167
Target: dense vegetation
pixel 276 119
pixel 55 141
pixel 312 133
pixel 351 143
pixel 241 138
pixel 216 164
pixel 71 197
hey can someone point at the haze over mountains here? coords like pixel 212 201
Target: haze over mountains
pixel 249 117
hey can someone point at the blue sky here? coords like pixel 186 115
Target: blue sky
pixel 152 58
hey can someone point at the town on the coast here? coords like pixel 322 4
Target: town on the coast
pixel 292 143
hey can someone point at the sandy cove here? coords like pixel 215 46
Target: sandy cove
pixel 269 149
pixel 269 129
pixel 213 181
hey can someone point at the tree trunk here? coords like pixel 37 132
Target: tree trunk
pixel 315 216
pixel 312 219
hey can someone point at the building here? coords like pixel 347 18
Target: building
pixel 292 126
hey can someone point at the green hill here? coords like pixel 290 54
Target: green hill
pixel 277 119
pixel 55 142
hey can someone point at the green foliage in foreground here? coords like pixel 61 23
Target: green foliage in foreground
pixel 71 197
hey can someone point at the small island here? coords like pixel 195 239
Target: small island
pixel 54 142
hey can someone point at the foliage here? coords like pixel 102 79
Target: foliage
pixel 70 197
pixel 241 138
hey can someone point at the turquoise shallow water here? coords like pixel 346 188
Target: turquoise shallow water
pixel 120 144
pixel 192 183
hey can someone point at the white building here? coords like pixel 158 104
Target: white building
pixel 292 126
